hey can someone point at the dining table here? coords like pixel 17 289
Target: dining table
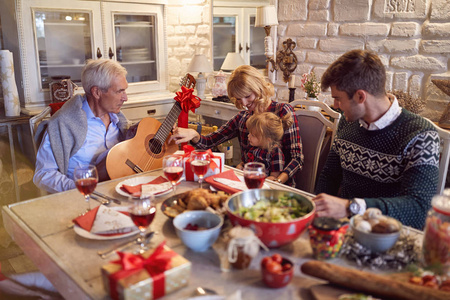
pixel 43 229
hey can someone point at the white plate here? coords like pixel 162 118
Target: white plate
pixel 86 234
pixel 136 181
pixel 241 178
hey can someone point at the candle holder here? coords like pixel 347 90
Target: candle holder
pixel 291 94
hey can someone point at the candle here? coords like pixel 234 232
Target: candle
pixel 292 81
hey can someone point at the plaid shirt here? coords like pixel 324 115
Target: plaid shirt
pixel 291 143
pixel 273 160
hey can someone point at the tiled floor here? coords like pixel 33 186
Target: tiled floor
pixel 12 258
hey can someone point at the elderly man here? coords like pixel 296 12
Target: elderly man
pixel 383 156
pixel 85 127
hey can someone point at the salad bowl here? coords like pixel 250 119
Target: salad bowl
pixel 278 227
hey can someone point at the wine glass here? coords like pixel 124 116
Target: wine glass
pixel 254 175
pixel 86 179
pixel 142 212
pixel 173 169
pixel 200 160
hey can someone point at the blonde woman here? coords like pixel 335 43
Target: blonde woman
pixel 250 92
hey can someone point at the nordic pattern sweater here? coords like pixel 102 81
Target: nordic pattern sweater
pixel 394 169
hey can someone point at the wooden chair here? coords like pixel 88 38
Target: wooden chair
pixel 34 123
pixel 316 144
pixel 444 155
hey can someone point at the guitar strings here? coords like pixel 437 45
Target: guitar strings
pixel 157 142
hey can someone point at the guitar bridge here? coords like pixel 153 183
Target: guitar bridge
pixel 133 166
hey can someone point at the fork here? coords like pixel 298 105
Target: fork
pixel 102 201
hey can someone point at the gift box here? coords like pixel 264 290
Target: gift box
pixel 215 167
pixel 155 273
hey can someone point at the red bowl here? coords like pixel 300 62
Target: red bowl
pixel 273 235
pixel 278 280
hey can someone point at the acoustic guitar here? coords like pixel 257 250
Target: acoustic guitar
pixel 145 151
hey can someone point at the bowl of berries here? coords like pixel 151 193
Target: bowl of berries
pixel 277 271
pixel 198 229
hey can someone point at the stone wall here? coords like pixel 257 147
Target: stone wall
pixel 411 36
pixel 188 33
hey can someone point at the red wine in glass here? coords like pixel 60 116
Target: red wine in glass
pixel 254 175
pixel 173 173
pixel 200 160
pixel 173 169
pixel 143 218
pixel 254 181
pixel 86 186
pixel 142 212
pixel 200 167
pixel 86 178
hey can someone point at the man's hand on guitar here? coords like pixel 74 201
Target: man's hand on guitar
pixel 184 135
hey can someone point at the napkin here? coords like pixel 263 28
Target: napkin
pixel 103 220
pixel 155 187
pixel 227 182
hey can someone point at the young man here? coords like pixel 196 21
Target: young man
pixel 85 127
pixel 383 156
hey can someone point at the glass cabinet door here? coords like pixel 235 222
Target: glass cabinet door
pixel 64 43
pixel 224 38
pixel 135 40
pixel 234 31
pixel 257 56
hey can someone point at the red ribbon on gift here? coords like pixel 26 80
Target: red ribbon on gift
pixel 188 102
pixel 156 264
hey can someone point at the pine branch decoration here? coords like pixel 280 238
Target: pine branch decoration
pixel 415 105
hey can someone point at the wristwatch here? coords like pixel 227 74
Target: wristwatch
pixel 353 207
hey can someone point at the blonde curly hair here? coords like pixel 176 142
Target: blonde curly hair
pixel 246 80
pixel 269 128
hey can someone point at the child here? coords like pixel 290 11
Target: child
pixel 265 133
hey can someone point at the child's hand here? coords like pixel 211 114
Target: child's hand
pixel 240 166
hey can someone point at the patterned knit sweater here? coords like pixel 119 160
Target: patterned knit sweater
pixel 394 169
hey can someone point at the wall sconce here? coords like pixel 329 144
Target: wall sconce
pixel 266 16
pixel 286 59
pixel 200 64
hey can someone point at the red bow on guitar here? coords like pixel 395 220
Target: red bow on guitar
pixel 187 100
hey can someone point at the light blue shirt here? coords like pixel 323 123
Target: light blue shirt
pixel 98 141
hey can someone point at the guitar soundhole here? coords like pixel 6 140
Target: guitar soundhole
pixel 155 146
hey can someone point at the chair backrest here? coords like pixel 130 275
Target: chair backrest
pixel 34 123
pixel 313 126
pixel 444 155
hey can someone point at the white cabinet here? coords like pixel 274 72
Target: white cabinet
pixel 56 37
pixel 234 31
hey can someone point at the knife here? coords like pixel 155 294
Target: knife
pixel 107 197
pixel 105 253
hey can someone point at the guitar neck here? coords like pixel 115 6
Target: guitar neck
pixel 167 125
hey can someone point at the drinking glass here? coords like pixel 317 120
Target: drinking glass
pixel 254 175
pixel 142 212
pixel 86 179
pixel 173 169
pixel 200 160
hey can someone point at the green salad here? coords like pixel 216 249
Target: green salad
pixel 282 210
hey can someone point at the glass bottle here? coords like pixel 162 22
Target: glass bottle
pixel 227 148
pixel 436 240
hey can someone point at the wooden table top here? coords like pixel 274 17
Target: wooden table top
pixel 40 227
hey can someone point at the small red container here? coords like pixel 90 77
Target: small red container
pixel 278 280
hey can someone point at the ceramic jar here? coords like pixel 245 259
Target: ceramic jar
pixel 219 86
